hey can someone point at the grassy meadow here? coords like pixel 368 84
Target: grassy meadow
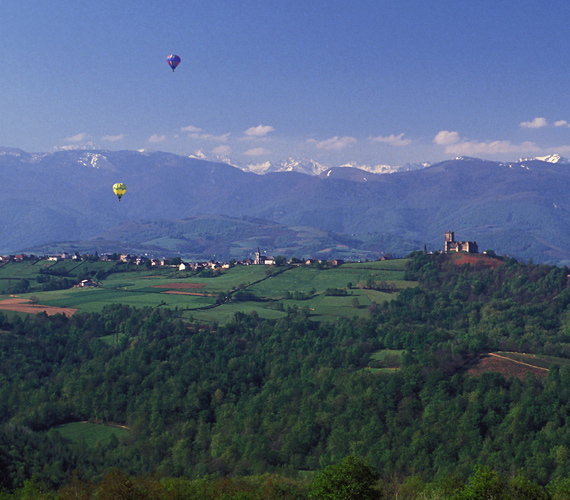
pixel 90 433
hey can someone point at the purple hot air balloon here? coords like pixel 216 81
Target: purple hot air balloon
pixel 173 61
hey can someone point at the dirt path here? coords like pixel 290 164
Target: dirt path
pixel 518 362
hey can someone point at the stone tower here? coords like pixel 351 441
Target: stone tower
pixel 449 239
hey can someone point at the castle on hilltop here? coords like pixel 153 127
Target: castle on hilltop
pixel 458 246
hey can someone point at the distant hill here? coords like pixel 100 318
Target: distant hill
pixel 200 208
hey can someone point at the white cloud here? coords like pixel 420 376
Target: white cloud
pixel 77 137
pixel 393 140
pixel 455 145
pixel 561 149
pixel 222 150
pixel 467 148
pixel 536 123
pixel 190 128
pixel 156 138
pixel 210 137
pixel 256 152
pixel 259 131
pixel 113 138
pixel 444 137
pixel 334 143
pixel 561 123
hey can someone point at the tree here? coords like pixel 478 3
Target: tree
pixel 76 489
pixel 485 484
pixel 280 260
pixel 350 479
pixel 35 490
pixel 116 485
pixel 523 489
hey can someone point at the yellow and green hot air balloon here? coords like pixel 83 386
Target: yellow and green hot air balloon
pixel 119 189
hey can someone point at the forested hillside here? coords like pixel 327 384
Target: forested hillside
pixel 291 397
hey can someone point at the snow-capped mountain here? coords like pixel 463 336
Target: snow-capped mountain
pixel 301 165
pixel 312 167
pixel 305 165
pixel 554 158
pixel 389 169
pixel 200 155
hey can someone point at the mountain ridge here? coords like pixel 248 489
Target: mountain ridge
pixel 519 208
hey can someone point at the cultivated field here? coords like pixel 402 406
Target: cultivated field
pixel 268 291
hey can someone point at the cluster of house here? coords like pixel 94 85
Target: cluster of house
pixel 138 260
pixel 66 256
pixel 450 245
pixel 15 258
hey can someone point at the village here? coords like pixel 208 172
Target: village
pixel 450 245
pixel 176 262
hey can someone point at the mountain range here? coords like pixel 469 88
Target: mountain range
pixel 202 209
pixel 305 165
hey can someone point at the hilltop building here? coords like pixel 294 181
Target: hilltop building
pixel 458 246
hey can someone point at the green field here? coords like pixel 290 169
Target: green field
pixel 90 433
pixel 386 360
pixel 270 292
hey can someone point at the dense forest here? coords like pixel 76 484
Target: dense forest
pixel 258 404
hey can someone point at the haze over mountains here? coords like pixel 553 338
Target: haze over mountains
pixel 201 209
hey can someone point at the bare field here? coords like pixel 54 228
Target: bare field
pixel 493 362
pixel 26 306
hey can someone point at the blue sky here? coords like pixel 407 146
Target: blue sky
pixel 373 82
